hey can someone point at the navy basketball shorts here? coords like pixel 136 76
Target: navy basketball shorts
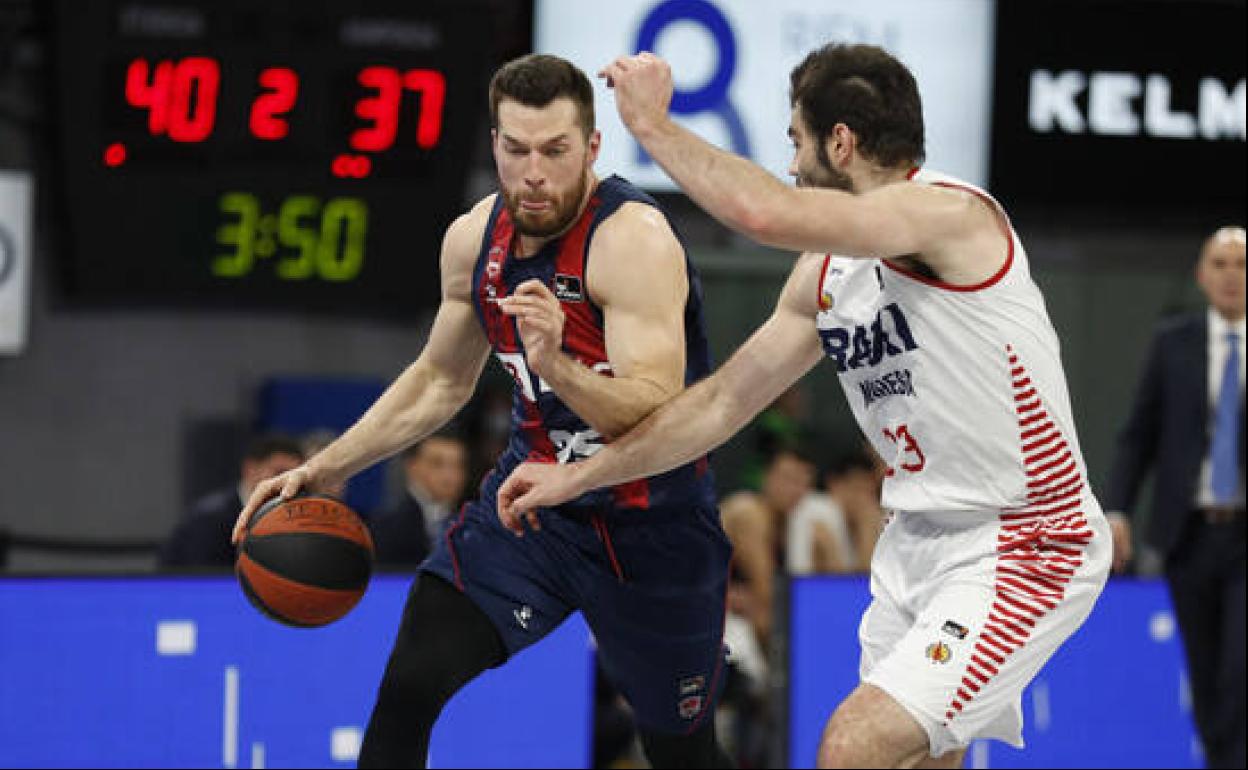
pixel 650 584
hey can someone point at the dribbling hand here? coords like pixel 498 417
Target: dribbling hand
pixel 285 486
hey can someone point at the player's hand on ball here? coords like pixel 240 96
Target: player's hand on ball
pixel 643 89
pixel 285 485
pixel 532 486
pixel 539 319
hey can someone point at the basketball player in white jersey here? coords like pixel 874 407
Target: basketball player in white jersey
pixel 917 289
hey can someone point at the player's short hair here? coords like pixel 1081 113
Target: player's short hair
pixel 867 89
pixel 536 80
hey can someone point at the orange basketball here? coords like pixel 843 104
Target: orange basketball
pixel 305 561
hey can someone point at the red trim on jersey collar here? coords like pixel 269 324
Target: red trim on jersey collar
pixel 823 274
pixel 912 173
pixel 1002 220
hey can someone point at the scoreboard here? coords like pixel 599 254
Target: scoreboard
pixel 282 154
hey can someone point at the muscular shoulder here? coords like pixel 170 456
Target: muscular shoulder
pixel 634 245
pixel 460 247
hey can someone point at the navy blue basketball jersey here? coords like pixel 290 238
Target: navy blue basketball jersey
pixel 543 428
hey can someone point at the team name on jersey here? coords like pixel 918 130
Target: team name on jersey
pixel 898 383
pixel 888 335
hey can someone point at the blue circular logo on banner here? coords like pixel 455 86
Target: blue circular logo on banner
pixel 713 95
pixel 700 12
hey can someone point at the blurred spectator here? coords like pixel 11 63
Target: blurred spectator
pixel 756 523
pixel 435 471
pixel 1187 424
pixel 835 530
pixel 202 537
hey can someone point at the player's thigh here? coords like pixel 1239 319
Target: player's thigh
pixel 659 624
pixel 871 729
pixel 518 583
pixel 979 639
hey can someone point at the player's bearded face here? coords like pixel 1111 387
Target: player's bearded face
pixel 545 212
pixel 811 166
pixel 821 173
pixel 543 159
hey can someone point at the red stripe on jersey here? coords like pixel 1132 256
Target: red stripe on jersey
pixel 1039 545
pixel 502 333
pixel 1002 220
pixel 450 546
pixel 582 331
pixel 634 494
pixel 583 335
pixel 499 329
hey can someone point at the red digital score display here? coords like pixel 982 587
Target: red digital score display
pixel 181 98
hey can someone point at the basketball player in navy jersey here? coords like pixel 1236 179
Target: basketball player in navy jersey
pixel 584 293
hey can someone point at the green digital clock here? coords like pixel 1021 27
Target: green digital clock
pixel 305 156
pixel 306 239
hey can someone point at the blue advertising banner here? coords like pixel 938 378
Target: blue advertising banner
pixel 182 672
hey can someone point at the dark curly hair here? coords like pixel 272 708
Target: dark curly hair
pixel 868 90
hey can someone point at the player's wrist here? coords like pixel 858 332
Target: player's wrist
pixel 650 127
pixel 587 474
pixel 554 367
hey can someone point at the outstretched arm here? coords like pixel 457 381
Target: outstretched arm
pixel 951 230
pixel 427 394
pixel 702 417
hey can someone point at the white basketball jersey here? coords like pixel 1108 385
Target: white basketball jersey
pixel 959 388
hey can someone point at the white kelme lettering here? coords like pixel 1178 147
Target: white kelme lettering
pixel 1126 104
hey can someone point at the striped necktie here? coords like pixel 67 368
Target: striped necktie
pixel 1225 451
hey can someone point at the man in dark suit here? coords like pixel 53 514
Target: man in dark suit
pixel 202 537
pixel 1187 424
pixel 435 471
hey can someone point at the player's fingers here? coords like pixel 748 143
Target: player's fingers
pixel 262 492
pixel 529 501
pixel 516 306
pixel 291 486
pixel 534 522
pixel 511 488
pixel 511 523
pixel 528 287
pixel 612 72
pixel 536 290
pixel 538 323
